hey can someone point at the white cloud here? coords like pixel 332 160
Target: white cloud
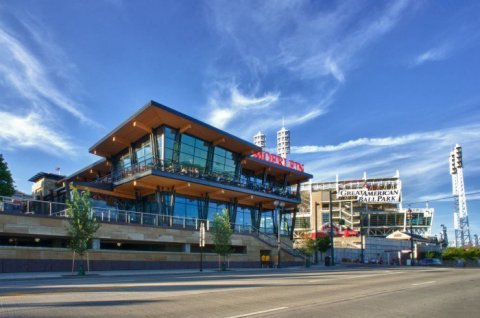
pixel 31 131
pixel 24 73
pixel 432 55
pixel 421 158
pixel 34 90
pixel 227 105
pixel 292 48
pixel 375 142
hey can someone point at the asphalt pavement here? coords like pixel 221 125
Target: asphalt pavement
pixel 301 292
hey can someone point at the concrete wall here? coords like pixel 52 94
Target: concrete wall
pixel 59 259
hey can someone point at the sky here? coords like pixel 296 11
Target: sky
pixel 363 86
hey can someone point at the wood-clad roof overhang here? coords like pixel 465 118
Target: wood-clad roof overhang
pixel 92 172
pixel 153 115
pixel 183 185
pixel 273 169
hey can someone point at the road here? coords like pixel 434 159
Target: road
pixel 378 292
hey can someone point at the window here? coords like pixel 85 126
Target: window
pixel 244 218
pixel 185 208
pixel 193 152
pixel 160 143
pixel 302 222
pixel 224 163
pixel 124 163
pixel 169 139
pixel 144 153
pixel 266 222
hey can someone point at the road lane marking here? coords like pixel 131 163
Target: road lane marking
pixel 424 283
pixel 353 276
pixel 258 312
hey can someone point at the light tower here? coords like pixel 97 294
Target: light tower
pixel 460 215
pixel 475 239
pixel 260 140
pixel 283 142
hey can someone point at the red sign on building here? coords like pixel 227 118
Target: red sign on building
pixel 270 157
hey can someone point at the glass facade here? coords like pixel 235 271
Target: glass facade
pixel 124 161
pixel 215 208
pixel 243 220
pixel 193 153
pixel 169 143
pixel 267 222
pixel 224 163
pixel 188 155
pixel 143 152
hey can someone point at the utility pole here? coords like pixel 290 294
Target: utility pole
pixel 410 217
pixel 202 243
pixel 362 255
pixel 316 231
pixel 332 253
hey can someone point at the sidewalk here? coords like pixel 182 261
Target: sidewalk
pixel 46 275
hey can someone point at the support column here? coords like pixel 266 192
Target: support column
pixel 176 147
pixel 294 217
pixel 154 147
pixel 210 153
pixel 232 211
pixel 172 202
pixel 158 199
pixel 204 208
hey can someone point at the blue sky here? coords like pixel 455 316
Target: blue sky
pixel 370 86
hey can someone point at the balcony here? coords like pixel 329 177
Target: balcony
pixel 168 168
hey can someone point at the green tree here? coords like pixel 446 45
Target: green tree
pixel 307 247
pixel 472 253
pixel 82 225
pixel 323 244
pixel 451 253
pixel 222 235
pixel 6 181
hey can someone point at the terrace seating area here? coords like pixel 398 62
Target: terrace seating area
pixel 195 172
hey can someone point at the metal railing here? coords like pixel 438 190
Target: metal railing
pixel 29 207
pixel 272 240
pixel 142 218
pixel 196 172
pixel 11 205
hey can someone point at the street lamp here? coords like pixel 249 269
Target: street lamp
pixel 332 253
pixel 362 253
pixel 277 204
pixel 410 217
pixel 316 230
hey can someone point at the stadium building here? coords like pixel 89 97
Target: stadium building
pixel 371 205
pixel 160 175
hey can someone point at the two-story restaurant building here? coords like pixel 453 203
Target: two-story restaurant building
pixel 161 174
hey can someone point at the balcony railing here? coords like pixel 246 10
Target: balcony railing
pixel 196 173
pixel 24 206
pixel 9 205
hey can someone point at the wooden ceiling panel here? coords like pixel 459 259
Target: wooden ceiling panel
pixel 154 115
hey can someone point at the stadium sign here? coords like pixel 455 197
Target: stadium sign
pixel 371 196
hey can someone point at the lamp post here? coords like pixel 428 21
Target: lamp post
pixel 277 204
pixel 316 230
pixel 362 256
pixel 410 217
pixel 202 243
pixel 332 253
